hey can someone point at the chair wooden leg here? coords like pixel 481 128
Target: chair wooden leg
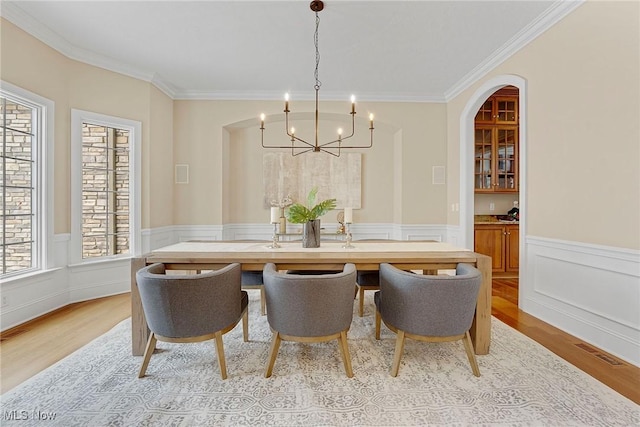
pixel 263 303
pixel 220 351
pixel 398 354
pixel 346 356
pixel 245 325
pixel 361 301
pixel 273 353
pixel 377 324
pixel 151 346
pixel 471 355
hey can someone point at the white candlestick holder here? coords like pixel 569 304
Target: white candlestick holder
pixel 274 244
pixel 347 240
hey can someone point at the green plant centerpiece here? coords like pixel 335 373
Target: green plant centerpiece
pixel 309 217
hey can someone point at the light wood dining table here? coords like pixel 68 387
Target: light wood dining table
pixel 428 257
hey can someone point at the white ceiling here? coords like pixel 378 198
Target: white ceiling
pixel 378 50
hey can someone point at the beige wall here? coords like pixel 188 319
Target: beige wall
pixel 220 140
pixel 583 132
pixel 583 107
pixel 157 163
pixel 502 203
pixel 32 65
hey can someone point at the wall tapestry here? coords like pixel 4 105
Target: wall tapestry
pixel 336 177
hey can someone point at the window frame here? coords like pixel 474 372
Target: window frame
pixel 42 178
pixel 78 117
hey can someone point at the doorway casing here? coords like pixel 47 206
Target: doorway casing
pixel 467 192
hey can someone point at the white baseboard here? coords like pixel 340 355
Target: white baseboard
pixel 32 296
pixel 589 291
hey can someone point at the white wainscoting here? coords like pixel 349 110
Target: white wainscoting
pixel 33 295
pixel 61 284
pixel 440 233
pixel 589 291
pixel 98 279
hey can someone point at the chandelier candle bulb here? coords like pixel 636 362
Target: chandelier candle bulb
pixel 370 121
pixel 262 121
pixel 348 215
pixel 298 145
pixel 275 214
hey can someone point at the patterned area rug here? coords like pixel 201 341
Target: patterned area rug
pixel 522 384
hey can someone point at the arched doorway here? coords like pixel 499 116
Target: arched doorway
pixel 467 203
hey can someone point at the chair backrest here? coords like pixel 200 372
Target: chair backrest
pixel 309 305
pixel 182 306
pixel 429 305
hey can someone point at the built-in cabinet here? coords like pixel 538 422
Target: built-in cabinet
pixel 501 243
pixel 496 146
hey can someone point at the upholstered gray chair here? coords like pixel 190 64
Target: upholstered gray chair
pixel 191 308
pixel 253 280
pixel 309 308
pixel 428 308
pixel 368 280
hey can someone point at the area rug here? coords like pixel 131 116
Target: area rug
pixel 522 384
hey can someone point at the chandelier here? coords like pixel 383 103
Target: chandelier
pixel 299 145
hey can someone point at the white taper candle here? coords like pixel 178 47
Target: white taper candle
pixel 348 215
pixel 275 214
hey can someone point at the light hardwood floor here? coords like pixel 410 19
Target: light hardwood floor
pixel 32 347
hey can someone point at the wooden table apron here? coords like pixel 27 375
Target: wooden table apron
pixel 428 261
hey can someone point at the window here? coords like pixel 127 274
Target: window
pixel 25 202
pixel 104 186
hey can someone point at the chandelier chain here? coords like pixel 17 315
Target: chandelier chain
pixel 298 145
pixel 315 42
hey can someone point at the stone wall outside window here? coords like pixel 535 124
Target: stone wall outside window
pixel 105 191
pixel 17 233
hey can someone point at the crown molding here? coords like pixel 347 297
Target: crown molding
pixel 26 22
pixel 164 86
pixel 302 96
pixel 554 13
pixel 13 13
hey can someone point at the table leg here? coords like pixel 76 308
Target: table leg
pixel 139 329
pixel 481 328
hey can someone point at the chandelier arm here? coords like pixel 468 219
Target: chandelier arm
pixel 331 152
pixel 299 143
pixel 300 152
pixel 303 141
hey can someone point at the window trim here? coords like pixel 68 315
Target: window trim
pixel 78 117
pixel 43 181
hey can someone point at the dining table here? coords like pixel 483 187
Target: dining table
pixel 426 257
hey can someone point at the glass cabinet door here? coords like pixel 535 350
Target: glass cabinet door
pixel 506 159
pixel 506 110
pixel 483 156
pixel 486 112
